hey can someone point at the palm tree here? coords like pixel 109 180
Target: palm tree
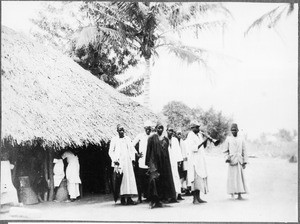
pixel 271 18
pixel 148 26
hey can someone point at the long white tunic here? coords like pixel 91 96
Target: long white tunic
pixel 58 171
pixel 72 174
pixel 196 158
pixel 8 190
pixel 236 183
pixel 175 157
pixel 184 153
pixel 72 171
pixel 121 150
pixel 142 139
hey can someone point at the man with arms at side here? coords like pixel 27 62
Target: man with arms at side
pixel 237 160
pixel 122 154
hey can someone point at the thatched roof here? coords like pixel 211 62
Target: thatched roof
pixel 47 95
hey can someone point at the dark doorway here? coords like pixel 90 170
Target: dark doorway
pixel 94 169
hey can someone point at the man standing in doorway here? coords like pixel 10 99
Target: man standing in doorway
pixel 122 154
pixel 72 174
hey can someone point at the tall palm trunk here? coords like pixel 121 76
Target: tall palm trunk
pixel 147 84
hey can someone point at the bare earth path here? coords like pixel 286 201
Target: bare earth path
pixel 273 197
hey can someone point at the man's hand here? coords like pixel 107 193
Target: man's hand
pixel 140 155
pixel 180 164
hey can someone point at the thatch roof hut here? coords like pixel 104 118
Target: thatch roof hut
pixel 46 95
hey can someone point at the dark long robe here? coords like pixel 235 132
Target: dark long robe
pixel 161 185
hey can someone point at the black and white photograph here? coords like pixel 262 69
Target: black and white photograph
pixel 149 111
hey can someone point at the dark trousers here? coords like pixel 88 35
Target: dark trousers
pixel 142 180
pixel 182 173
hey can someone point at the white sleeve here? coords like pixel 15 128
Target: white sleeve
pixel 192 144
pixel 111 151
pixel 244 152
pixel 177 149
pixel 132 150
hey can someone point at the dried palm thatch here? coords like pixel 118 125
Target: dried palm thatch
pixel 47 95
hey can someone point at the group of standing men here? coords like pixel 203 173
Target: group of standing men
pixel 168 164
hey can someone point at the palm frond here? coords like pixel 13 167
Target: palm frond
pixel 131 9
pixel 184 13
pixel 271 18
pixel 214 8
pixel 132 86
pixel 96 35
pixel 88 35
pixel 107 12
pixel 196 27
pixel 187 54
pixel 115 35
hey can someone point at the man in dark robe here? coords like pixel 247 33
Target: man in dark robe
pixel 161 186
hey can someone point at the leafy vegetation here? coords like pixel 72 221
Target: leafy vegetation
pixel 213 122
pixel 74 29
pixel 272 18
pixel 111 36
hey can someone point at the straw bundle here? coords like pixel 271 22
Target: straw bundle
pixel 46 95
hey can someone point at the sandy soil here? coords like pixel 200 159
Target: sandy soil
pixel 273 197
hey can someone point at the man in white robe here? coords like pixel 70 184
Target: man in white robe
pixel 175 159
pixel 197 171
pixel 122 154
pixel 184 165
pixel 58 172
pixel 8 191
pixel 142 178
pixel 237 160
pixel 72 175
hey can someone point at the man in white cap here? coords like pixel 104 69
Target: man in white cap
pixel 122 153
pixel 237 160
pixel 175 159
pixel 197 173
pixel 141 141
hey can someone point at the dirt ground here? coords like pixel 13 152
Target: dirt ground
pixel 273 197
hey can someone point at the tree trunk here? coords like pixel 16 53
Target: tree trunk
pixel 50 160
pixel 147 84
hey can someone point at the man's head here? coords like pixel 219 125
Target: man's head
pixel 195 126
pixel 234 129
pixel 148 127
pixel 170 131
pixel 159 128
pixel 120 130
pixel 179 133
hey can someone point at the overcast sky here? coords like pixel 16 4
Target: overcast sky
pixel 256 84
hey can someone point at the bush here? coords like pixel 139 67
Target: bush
pixel 180 115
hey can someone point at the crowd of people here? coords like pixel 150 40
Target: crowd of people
pixel 158 168
pixel 169 166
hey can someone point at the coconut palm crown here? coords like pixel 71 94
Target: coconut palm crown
pixel 148 26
